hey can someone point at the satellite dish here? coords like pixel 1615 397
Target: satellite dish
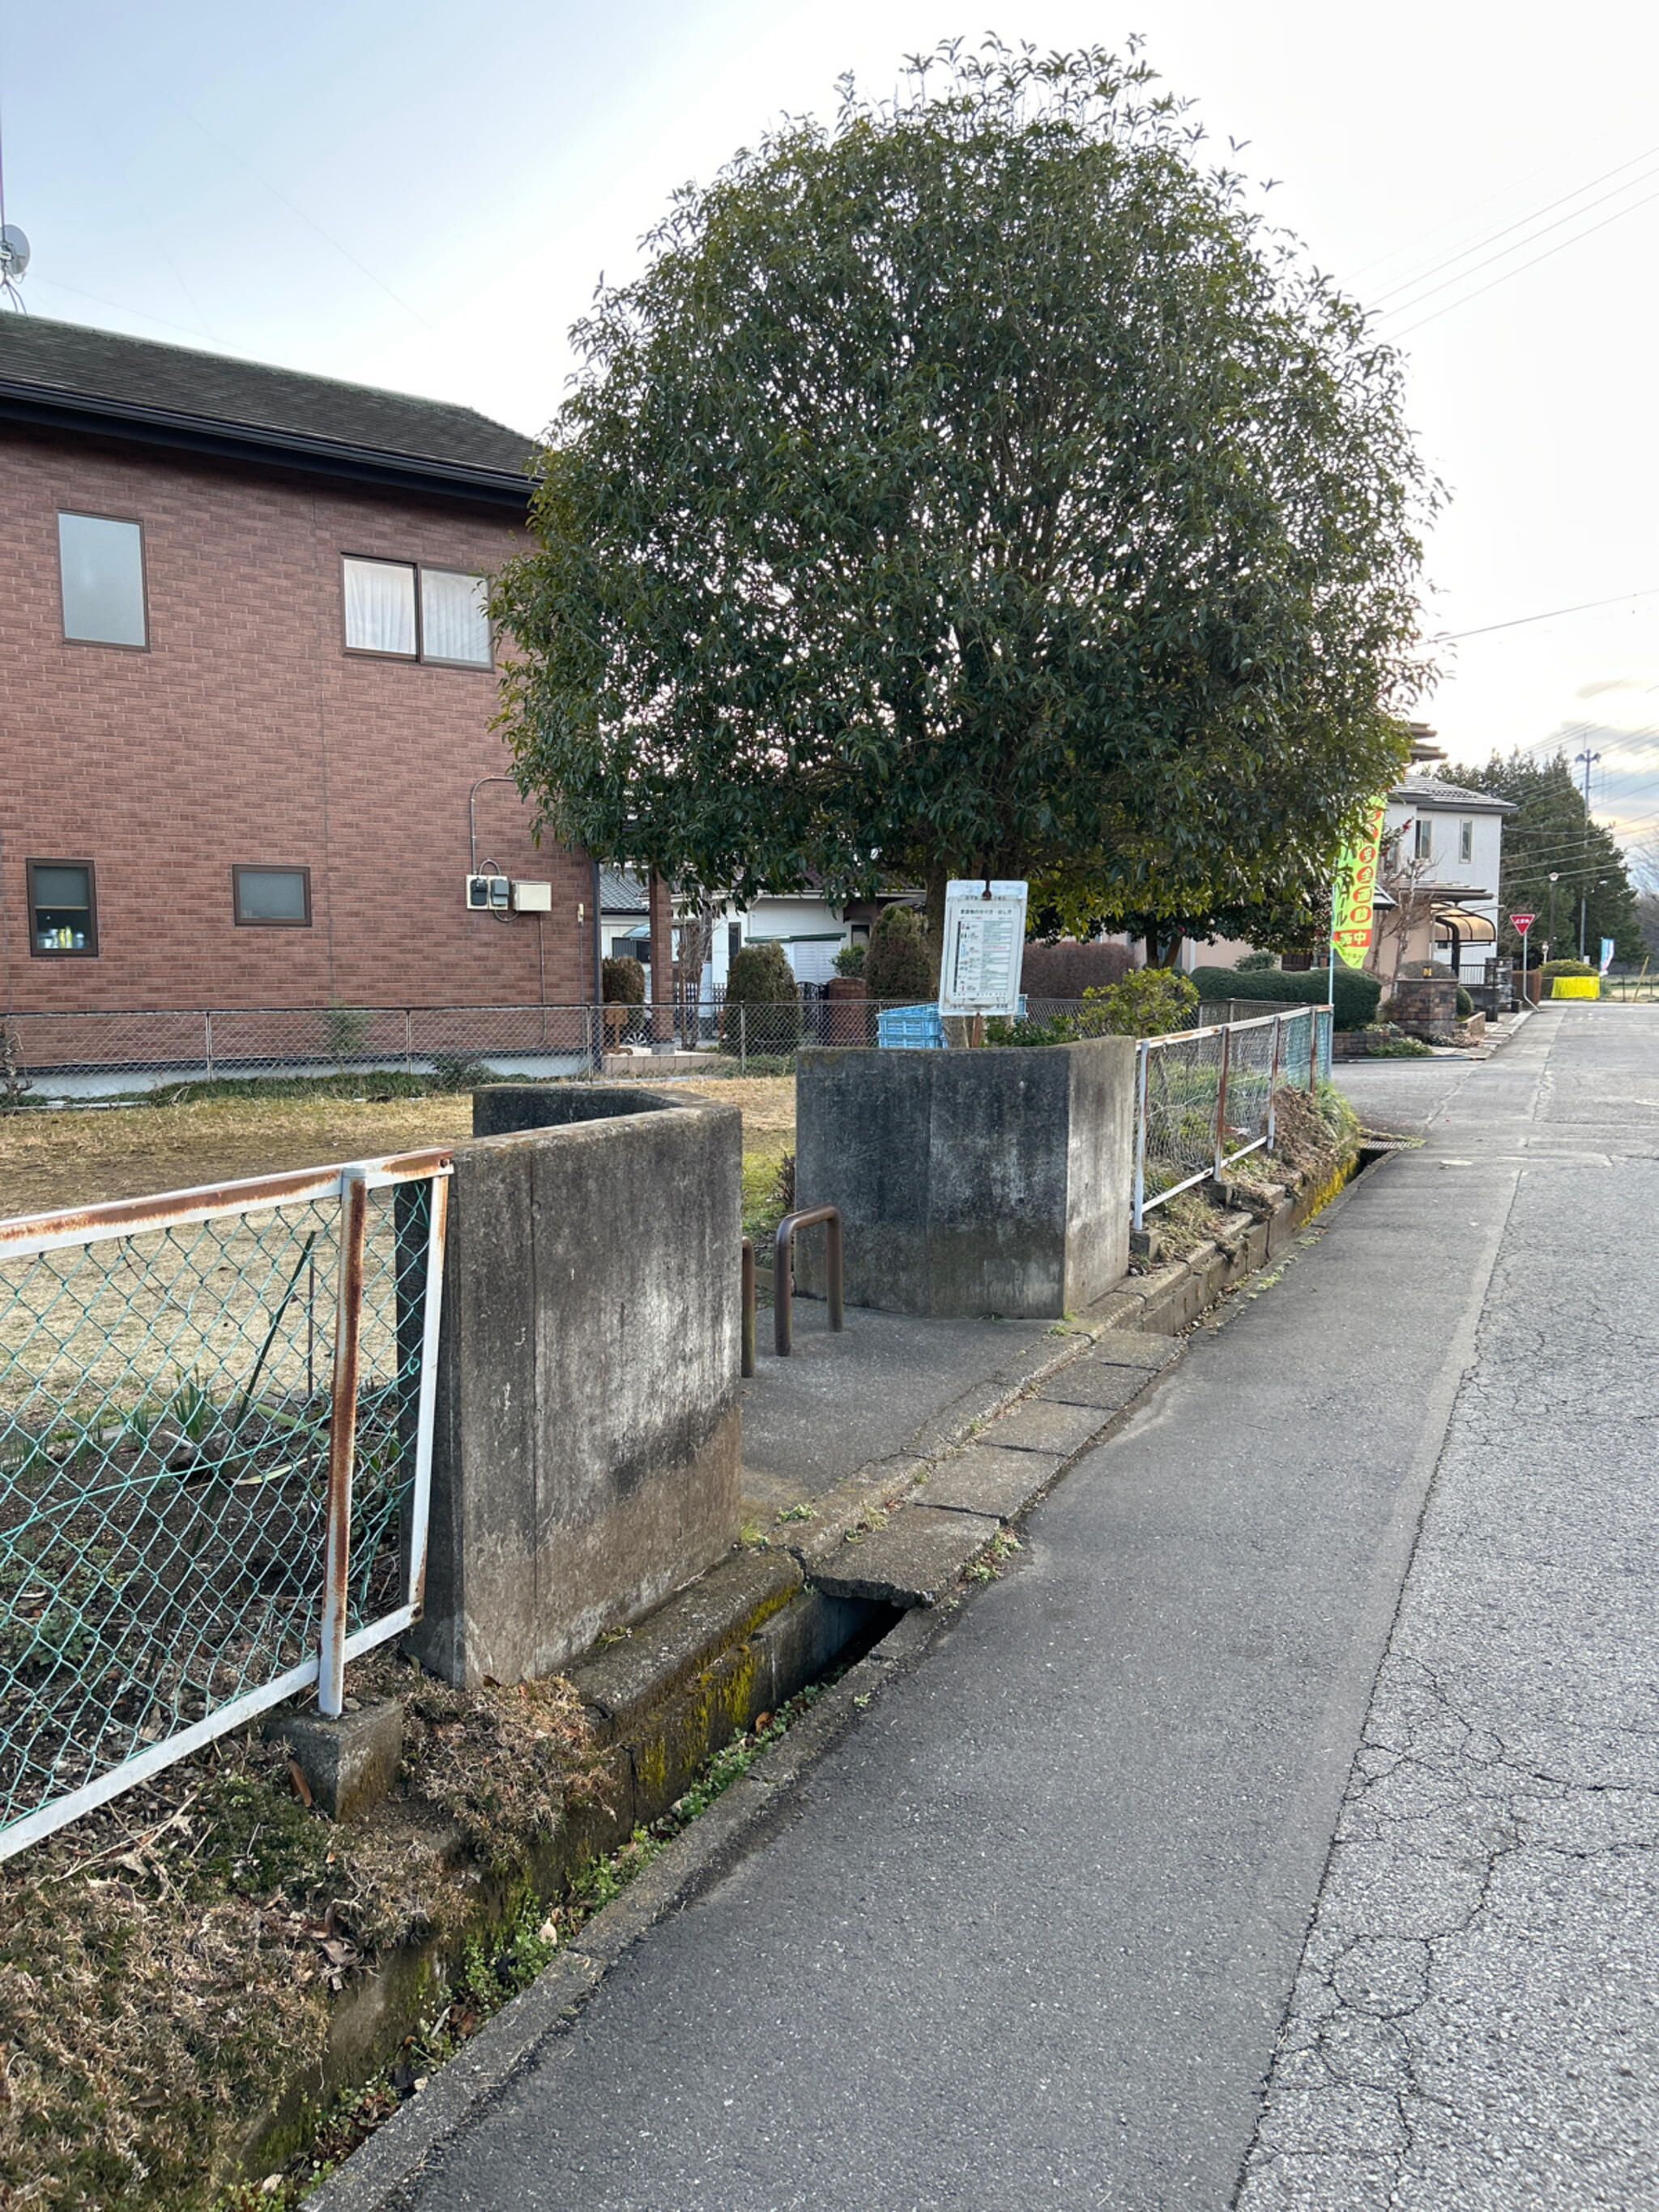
pixel 14 252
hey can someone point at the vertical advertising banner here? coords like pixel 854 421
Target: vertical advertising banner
pixel 1354 888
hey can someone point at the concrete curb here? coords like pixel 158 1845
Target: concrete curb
pixel 377 2175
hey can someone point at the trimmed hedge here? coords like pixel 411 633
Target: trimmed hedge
pixel 1355 995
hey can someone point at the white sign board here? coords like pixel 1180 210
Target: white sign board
pixel 984 946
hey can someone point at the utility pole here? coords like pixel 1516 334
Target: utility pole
pixel 1554 879
pixel 1588 759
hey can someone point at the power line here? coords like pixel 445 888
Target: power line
pixel 1576 240
pixel 1413 283
pixel 1519 622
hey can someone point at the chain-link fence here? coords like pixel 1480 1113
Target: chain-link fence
pixel 215 1424
pixel 89 1055
pixel 1205 1097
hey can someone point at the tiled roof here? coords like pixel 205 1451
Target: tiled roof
pixel 68 371
pixel 1434 789
pixel 620 893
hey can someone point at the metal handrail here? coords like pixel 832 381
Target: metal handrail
pixel 783 1288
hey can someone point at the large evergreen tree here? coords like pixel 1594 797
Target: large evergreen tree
pixel 973 487
pixel 1551 832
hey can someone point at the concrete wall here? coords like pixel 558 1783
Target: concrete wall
pixel 586 1456
pixel 970 1182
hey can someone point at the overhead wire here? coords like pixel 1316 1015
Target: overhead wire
pixel 1414 283
pixel 1617 216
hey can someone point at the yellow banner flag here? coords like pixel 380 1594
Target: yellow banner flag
pixel 1354 889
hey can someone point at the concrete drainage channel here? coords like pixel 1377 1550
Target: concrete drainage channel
pixel 856 1589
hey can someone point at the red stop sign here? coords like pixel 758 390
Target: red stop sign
pixel 1522 922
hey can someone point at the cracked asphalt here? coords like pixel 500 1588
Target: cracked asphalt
pixel 1309 1748
pixel 1475 2020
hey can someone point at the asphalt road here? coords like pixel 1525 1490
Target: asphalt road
pixel 1030 1934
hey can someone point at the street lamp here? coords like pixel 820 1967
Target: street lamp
pixel 1587 760
pixel 1554 879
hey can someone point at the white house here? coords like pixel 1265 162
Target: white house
pixel 1451 841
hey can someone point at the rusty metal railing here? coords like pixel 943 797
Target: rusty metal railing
pixel 1206 1097
pixel 783 1287
pixel 216 1450
pixel 748 1363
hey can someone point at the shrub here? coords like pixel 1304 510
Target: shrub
pixel 1356 993
pixel 761 981
pixel 1465 1003
pixel 897 965
pixel 1148 1002
pixel 1567 968
pixel 849 961
pixel 1067 969
pixel 622 982
pixel 1256 964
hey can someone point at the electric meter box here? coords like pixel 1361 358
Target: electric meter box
pixel 488 893
pixel 533 898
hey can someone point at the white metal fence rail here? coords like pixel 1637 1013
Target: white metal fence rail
pixel 216 1449
pixel 1206 1097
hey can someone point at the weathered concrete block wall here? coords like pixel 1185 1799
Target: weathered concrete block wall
pixel 587 1456
pixel 970 1182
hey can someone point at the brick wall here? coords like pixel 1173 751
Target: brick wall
pixel 247 734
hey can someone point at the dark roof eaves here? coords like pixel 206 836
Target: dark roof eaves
pixel 45 407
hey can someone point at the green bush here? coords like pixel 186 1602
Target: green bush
pixel 1355 997
pixel 1257 963
pixel 1567 968
pixel 622 982
pixel 849 961
pixel 760 979
pixel 898 964
pixel 1148 1002
pixel 1465 1003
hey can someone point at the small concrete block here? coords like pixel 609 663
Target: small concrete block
pixel 1147 1244
pixel 349 1764
pixel 983 1479
pixel 920 1552
pixel 1104 1390
pixel 1046 1425
pixel 1130 1347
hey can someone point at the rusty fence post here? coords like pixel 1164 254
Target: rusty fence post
pixel 783 1288
pixel 748 1367
pixel 343 1442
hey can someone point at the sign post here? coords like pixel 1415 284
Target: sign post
pixel 1521 923
pixel 983 950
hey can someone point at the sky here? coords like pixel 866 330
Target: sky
pixel 424 197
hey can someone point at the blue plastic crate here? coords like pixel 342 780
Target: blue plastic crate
pixel 916 1028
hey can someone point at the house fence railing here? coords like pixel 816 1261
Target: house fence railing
pixel 1205 1098
pixel 215 1444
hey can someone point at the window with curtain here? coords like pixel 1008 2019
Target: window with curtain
pixel 272 898
pixel 101 566
pixel 1424 845
pixel 1466 841
pixel 453 623
pixel 379 607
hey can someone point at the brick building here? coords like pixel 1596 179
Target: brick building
pixel 245 689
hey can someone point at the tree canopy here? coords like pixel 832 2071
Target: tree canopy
pixel 1551 833
pixel 973 487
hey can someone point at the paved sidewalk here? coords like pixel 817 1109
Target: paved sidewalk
pixel 1027 1934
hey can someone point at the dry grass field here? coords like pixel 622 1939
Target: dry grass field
pixel 70 1158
